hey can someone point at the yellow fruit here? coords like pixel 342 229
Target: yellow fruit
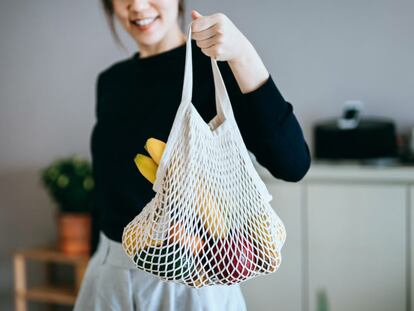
pixel 199 278
pixel 192 241
pixel 146 166
pixel 268 254
pixel 155 148
pixel 211 214
pixel 135 233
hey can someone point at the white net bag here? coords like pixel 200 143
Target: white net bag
pixel 210 221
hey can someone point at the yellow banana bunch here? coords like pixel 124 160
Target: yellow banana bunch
pixel 155 148
pixel 148 165
pixel 213 218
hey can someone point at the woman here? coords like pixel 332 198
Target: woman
pixel 137 98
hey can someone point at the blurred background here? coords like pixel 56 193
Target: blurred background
pixel 348 222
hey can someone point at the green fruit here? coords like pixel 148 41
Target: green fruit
pixel 168 262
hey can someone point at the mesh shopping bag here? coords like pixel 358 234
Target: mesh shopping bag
pixel 210 221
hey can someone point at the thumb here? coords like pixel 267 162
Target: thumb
pixel 195 14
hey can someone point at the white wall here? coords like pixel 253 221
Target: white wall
pixel 320 53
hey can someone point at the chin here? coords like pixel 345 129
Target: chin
pixel 150 39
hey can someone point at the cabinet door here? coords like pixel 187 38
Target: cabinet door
pixel 411 248
pixel 357 246
pixel 281 290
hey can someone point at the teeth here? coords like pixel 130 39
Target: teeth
pixel 145 21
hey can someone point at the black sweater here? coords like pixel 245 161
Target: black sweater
pixel 138 98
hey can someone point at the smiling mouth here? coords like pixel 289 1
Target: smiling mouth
pixel 143 22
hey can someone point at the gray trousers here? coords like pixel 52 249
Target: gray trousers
pixel 112 283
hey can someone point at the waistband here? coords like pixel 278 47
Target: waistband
pixel 112 252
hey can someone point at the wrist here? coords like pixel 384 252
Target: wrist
pixel 248 69
pixel 247 56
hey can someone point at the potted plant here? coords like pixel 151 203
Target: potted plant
pixel 70 183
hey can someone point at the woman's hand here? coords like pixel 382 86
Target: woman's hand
pixel 220 39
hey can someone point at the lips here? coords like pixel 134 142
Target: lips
pixel 144 22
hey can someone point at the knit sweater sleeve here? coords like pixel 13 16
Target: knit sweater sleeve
pixel 270 129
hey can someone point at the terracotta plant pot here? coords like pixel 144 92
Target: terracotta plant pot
pixel 74 233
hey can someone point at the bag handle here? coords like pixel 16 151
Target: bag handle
pixel 223 105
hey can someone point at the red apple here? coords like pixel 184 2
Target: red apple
pixel 234 259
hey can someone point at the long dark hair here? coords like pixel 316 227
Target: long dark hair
pixel 109 13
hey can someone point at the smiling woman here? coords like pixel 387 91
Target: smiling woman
pixel 110 6
pixel 152 24
pixel 138 98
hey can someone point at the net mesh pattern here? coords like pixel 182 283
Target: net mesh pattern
pixel 208 223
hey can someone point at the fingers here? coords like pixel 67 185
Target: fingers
pixel 204 22
pixel 207 33
pixel 195 14
pixel 212 51
pixel 203 44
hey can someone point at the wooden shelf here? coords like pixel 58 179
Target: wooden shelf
pixel 50 254
pixel 49 293
pixel 52 294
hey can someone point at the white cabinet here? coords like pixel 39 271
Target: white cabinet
pixel 350 231
pixel 410 244
pixel 357 245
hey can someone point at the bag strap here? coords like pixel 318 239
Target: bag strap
pixel 223 105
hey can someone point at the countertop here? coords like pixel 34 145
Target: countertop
pixel 322 171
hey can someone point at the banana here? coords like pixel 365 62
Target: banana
pixel 268 255
pixel 155 148
pixel 146 166
pixel 134 235
pixel 213 217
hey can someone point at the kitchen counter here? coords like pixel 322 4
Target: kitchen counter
pixel 351 172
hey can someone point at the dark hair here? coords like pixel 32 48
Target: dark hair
pixel 109 12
